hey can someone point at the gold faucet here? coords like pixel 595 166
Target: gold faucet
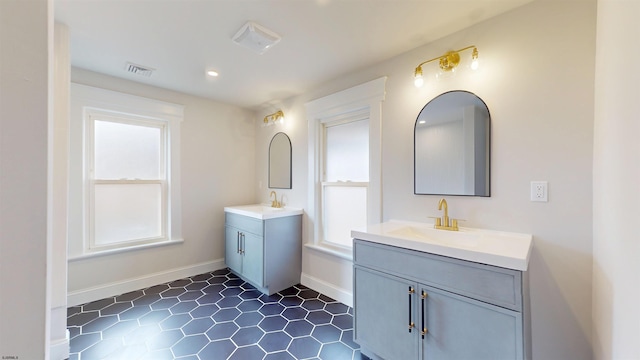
pixel 444 223
pixel 275 203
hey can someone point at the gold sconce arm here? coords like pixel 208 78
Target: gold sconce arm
pixel 274 118
pixel 447 62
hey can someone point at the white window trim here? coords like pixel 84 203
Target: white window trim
pixel 86 99
pixel 367 97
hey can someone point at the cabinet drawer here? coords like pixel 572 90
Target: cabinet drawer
pixel 486 283
pixel 244 223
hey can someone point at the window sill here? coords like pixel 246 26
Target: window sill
pixel 99 253
pixel 342 253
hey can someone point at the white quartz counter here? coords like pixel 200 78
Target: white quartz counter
pixel 503 249
pixel 263 211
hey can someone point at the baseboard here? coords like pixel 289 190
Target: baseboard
pixel 59 349
pixel 343 295
pixel 116 288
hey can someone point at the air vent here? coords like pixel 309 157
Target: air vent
pixel 139 70
pixel 256 37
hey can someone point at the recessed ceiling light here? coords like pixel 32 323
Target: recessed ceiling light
pixel 212 73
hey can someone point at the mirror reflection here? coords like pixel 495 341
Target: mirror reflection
pixel 452 146
pixel 280 162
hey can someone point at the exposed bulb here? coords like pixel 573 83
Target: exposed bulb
pixel 418 81
pixel 474 64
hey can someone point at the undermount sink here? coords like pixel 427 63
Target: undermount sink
pixel 263 211
pixel 498 248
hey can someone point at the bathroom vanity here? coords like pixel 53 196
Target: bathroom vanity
pixel 422 293
pixel 263 245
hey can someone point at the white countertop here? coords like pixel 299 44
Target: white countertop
pixel 263 211
pixel 498 248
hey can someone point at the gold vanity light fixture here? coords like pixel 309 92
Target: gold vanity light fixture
pixel 447 62
pixel 275 118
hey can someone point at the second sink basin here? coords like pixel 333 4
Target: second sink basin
pixel 263 211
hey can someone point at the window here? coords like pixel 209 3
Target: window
pixel 346 179
pixel 127 179
pixel 344 165
pixel 124 172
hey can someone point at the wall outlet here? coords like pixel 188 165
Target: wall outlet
pixel 539 191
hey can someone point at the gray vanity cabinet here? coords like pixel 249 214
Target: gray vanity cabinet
pixel 414 305
pixel 267 253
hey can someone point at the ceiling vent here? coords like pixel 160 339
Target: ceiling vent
pixel 256 37
pixel 139 70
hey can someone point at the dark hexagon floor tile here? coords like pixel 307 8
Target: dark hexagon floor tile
pixel 173 292
pixel 249 319
pixel 336 351
pixel 197 285
pixel 163 354
pixel 201 277
pixel 116 308
pixel 250 294
pixel 209 298
pixel 179 283
pixel 156 289
pixel 326 299
pixel 249 352
pixel 221 272
pixel 304 347
pixel 220 349
pixel 249 305
pixel 248 335
pixel 280 355
pixel 275 341
pixel 298 328
pixel 120 329
pixel 83 318
pixel 164 303
pixel 141 334
pixel 273 323
pixel 226 314
pixel 190 295
pixel 292 291
pixel 347 338
pixel 189 345
pixel 146 300
pixel 154 317
pixel 183 307
pixel 229 302
pixel 135 312
pixel 75 331
pixel 267 299
pixel 319 317
pixel 309 294
pixel 204 311
pixel 175 321
pixel 326 333
pixel 247 286
pixel 130 296
pixel 165 339
pixel 74 310
pixel 313 304
pixel 104 349
pixel 217 280
pixel 84 341
pixel 127 352
pixel 271 309
pixel 290 301
pixel 197 326
pixel 295 313
pixel 222 331
pixel 343 322
pixel 337 308
pixel 99 304
pixel 100 323
pixel 233 282
pixel 233 291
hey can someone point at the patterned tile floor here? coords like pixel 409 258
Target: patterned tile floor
pixel 210 317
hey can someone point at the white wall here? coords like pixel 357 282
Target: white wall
pixel 616 190
pixel 537 78
pixel 26 63
pixel 218 169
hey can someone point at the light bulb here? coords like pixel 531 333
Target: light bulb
pixel 474 64
pixel 212 73
pixel 418 81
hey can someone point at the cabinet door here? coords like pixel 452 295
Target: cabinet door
pixel 253 258
pixel 462 328
pixel 384 308
pixel 232 255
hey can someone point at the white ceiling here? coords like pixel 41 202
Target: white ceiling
pixel 321 40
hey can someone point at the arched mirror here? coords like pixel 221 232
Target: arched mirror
pixel 280 162
pixel 452 140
